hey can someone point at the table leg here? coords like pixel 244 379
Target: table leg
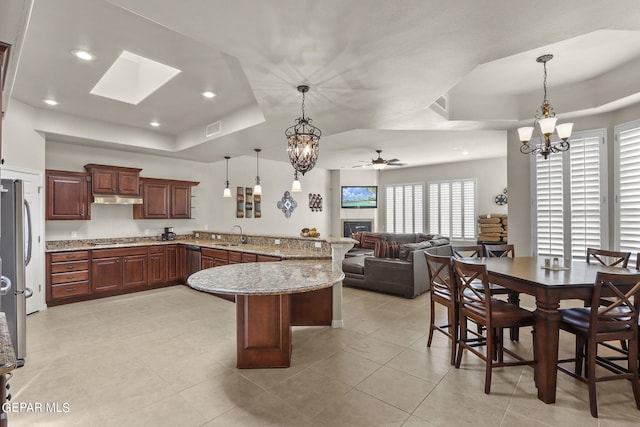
pixel 263 331
pixel 547 335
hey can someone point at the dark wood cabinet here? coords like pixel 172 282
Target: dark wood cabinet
pixel 114 180
pixel 267 258
pixel 106 274
pixel 164 199
pixel 207 262
pixel 180 201
pixel 176 259
pixel 134 270
pixel 67 274
pixel 158 265
pixel 67 195
pixel 155 200
pixel 117 269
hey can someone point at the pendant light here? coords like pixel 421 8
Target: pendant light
pixel 227 191
pixel 257 190
pixel 296 187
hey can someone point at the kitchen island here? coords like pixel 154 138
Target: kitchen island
pixel 270 299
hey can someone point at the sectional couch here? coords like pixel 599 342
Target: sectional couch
pixel 391 263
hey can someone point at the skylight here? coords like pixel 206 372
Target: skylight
pixel 132 78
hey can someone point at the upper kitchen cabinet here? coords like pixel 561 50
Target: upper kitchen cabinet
pixel 68 195
pixel 114 180
pixel 164 199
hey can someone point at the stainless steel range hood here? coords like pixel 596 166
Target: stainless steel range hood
pixel 111 199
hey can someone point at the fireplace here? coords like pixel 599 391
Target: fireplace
pixel 350 227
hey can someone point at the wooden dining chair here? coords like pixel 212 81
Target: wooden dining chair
pixel 443 292
pixel 467 251
pixel 500 251
pixel 609 258
pixel 598 324
pixel 494 315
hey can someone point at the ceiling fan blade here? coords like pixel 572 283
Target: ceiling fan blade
pixel 397 164
pixel 392 161
pixel 361 166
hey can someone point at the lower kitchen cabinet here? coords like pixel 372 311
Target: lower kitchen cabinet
pixel 176 263
pixel 107 274
pixel 88 274
pixel 67 274
pixel 158 265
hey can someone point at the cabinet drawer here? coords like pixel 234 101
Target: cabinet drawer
pixel 61 267
pixel 249 257
pixel 267 258
pixel 156 249
pixel 235 257
pixel 75 276
pixel 70 289
pixel 214 253
pixel 69 256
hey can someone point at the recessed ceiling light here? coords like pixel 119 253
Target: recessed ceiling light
pixel 51 102
pixel 464 153
pixel 154 124
pixel 83 54
pixel 208 94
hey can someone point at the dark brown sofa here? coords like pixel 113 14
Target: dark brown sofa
pixel 406 275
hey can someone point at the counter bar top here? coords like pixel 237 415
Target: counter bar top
pixel 7 355
pixel 284 252
pixel 267 278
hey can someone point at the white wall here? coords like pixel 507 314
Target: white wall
pixel 117 220
pixel 491 176
pixel 22 146
pixel 275 178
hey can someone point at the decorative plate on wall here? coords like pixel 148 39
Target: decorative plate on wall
pixel 501 199
pixel 287 204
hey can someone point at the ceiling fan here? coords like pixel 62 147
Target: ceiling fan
pixel 381 163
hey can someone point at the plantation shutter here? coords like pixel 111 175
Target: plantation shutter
pixel 585 195
pixel 452 209
pixel 628 186
pixel 405 208
pixel 549 210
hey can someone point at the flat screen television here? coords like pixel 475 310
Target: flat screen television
pixel 357 197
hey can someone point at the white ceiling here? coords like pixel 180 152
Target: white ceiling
pixel 375 67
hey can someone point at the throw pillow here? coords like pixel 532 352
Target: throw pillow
pixel 422 237
pixel 368 240
pixel 386 249
pixel 407 248
pixel 357 235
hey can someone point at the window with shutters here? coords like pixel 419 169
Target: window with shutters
pixel 452 208
pixel 405 208
pixel 627 187
pixel 570 211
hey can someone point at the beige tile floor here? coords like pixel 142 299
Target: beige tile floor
pixel 166 358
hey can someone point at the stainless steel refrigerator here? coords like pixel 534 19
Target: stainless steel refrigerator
pixel 15 253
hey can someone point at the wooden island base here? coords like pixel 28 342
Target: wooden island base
pixel 264 325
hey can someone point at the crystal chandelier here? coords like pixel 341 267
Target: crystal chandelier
pixel 546 120
pixel 303 140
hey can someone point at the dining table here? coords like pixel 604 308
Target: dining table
pixel 571 279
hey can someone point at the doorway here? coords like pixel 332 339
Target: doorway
pixel 33 195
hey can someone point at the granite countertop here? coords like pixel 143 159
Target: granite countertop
pixel 7 355
pixel 267 278
pixel 282 252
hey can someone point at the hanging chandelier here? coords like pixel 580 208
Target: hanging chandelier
pixel 303 140
pixel 546 120
pixel 257 189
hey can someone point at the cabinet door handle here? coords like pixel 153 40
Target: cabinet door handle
pixel 71 277
pixel 71 289
pixel 69 267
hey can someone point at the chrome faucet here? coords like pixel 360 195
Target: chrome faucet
pixel 242 239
